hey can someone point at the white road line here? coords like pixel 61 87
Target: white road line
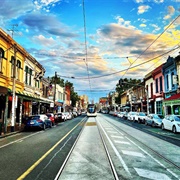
pixel 133 153
pixel 122 142
pixel 116 151
pixel 118 137
pixel 153 158
pixel 151 174
pixel 21 139
pixel 113 132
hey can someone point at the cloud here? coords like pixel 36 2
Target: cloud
pixel 13 9
pixel 171 11
pixel 142 25
pixel 47 24
pixel 142 9
pixel 44 41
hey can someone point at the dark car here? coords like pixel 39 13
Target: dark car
pixel 60 117
pixel 39 121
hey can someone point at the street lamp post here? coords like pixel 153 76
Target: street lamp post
pixel 54 97
pixel 13 91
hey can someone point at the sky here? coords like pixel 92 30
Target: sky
pixel 95 41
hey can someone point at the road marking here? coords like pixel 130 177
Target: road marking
pixel 112 132
pixel 18 140
pixel 175 175
pixel 133 153
pixel 46 154
pixel 116 151
pixel 151 174
pixel 121 142
pixel 119 137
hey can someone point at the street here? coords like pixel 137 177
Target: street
pixel 134 152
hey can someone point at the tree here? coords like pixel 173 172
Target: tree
pixel 124 85
pixel 74 96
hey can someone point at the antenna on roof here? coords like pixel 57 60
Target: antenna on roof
pixel 13 29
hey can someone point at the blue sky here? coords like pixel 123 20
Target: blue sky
pixel 53 31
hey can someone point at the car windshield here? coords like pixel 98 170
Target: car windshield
pixel 177 118
pixel 142 114
pixel 33 117
pixel 156 116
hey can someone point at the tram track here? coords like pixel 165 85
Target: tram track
pixel 145 145
pixel 71 150
pixel 107 153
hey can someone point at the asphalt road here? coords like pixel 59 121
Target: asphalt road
pixel 40 154
pixel 37 154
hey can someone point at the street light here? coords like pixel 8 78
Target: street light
pixel 13 90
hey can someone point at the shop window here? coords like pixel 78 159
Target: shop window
pixel 159 107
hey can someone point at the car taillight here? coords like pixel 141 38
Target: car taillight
pixel 39 120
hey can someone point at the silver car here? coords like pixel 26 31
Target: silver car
pixel 153 120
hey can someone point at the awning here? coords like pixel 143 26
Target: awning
pixel 173 97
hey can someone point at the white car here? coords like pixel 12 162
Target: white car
pixel 131 115
pixel 172 123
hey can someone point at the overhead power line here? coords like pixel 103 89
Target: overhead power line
pixel 95 77
pixel 151 44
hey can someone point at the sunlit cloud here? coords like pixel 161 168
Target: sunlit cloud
pixel 142 25
pixel 143 9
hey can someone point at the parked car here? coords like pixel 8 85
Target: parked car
pixel 123 114
pixel 130 115
pixel 60 117
pixel 69 115
pixel 75 113
pixel 141 117
pixel 51 117
pixel 172 123
pixel 38 121
pixel 154 120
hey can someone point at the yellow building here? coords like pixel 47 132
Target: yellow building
pixel 21 88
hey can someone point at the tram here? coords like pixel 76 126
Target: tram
pixel 91 110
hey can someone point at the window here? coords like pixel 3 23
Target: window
pixel 18 67
pixel 1 58
pixel 30 77
pixel 26 75
pixel 172 74
pixel 156 85
pixel 159 107
pixel 12 66
pixel 160 82
pixel 167 82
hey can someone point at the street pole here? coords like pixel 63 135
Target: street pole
pixel 54 97
pixel 147 95
pixel 14 91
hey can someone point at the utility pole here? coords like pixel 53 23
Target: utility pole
pixel 13 90
pixel 54 97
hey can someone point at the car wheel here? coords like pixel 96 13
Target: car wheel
pixel 50 124
pixel 153 125
pixel 44 126
pixel 174 129
pixel 162 126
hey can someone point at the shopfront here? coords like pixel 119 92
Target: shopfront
pixel 171 105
